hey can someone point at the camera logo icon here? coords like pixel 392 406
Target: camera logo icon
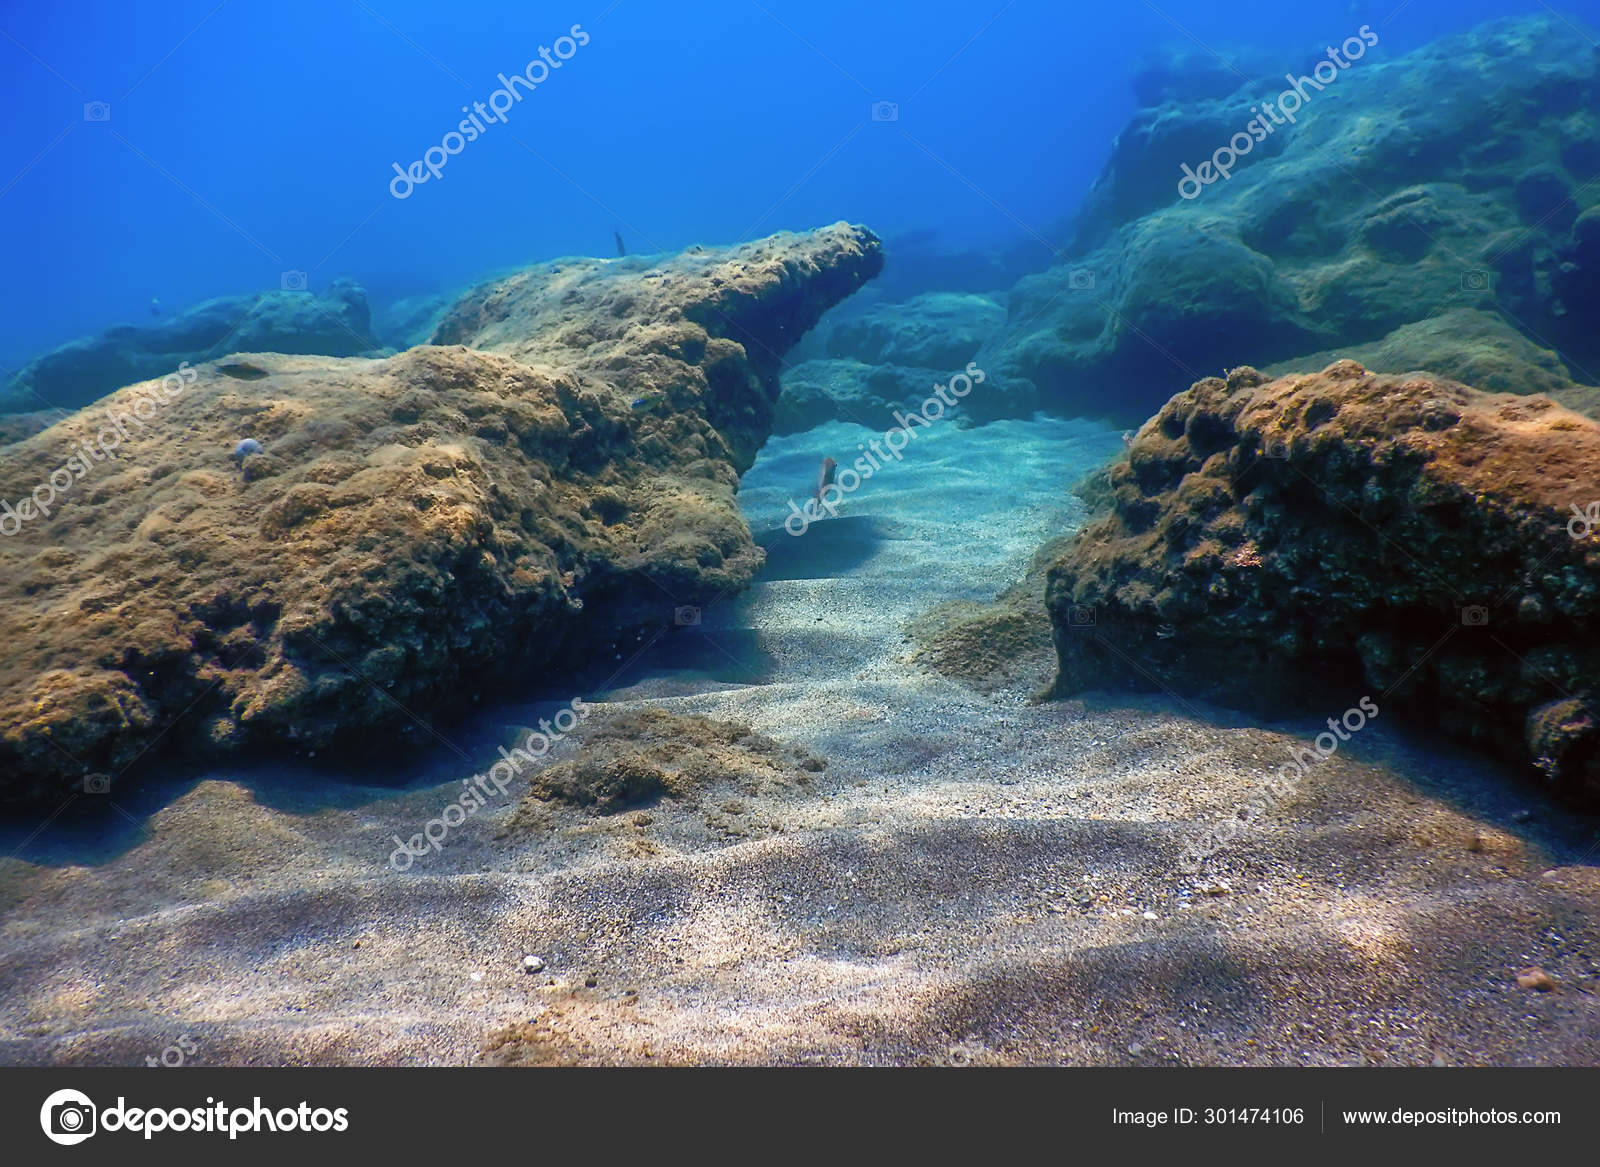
pixel 68 1117
pixel 1474 616
pixel 293 281
pixel 1475 281
pixel 96 784
pixel 1081 279
pixel 1278 449
pixel 686 617
pixel 1081 616
pixel 96 111
pixel 886 111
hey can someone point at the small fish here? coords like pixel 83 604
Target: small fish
pixel 1127 438
pixel 648 401
pixel 825 477
pixel 155 306
pixel 1166 632
pixel 621 247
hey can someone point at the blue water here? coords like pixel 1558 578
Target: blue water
pixel 181 149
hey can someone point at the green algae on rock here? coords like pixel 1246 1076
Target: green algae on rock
pixel 1469 345
pixel 1456 176
pixel 337 323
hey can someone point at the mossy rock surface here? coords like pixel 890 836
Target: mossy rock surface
pixel 529 495
pixel 1296 545
pixel 1429 211
pixel 632 759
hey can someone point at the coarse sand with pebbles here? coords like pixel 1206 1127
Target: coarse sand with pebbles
pixel 780 837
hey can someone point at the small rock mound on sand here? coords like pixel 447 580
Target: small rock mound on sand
pixel 1346 533
pixel 991 646
pixel 638 757
pixel 517 509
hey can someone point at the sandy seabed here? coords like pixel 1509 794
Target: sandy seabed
pixel 973 879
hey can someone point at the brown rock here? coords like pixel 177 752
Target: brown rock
pixel 518 509
pixel 1303 544
pixel 1535 978
pixel 634 758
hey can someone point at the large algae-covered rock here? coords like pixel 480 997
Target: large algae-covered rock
pixel 1468 345
pixel 16 426
pixel 936 330
pixel 1325 538
pixel 819 391
pixel 1409 187
pixel 337 323
pixel 412 531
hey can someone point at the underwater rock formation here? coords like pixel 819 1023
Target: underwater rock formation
pixel 919 260
pixel 16 426
pixel 844 390
pixel 1303 543
pixel 1189 100
pixel 1468 345
pixel 882 357
pixel 637 758
pixel 405 323
pixel 937 330
pixel 1408 188
pixel 530 497
pixel 829 390
pixel 337 323
pixel 1576 279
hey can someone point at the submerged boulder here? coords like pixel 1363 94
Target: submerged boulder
pixel 531 497
pixel 819 391
pixel 1469 345
pixel 937 330
pixel 16 426
pixel 337 323
pixel 1407 188
pixel 815 392
pixel 1315 541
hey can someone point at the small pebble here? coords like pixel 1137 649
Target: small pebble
pixel 532 964
pixel 477 976
pixel 1151 916
pixel 1535 978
